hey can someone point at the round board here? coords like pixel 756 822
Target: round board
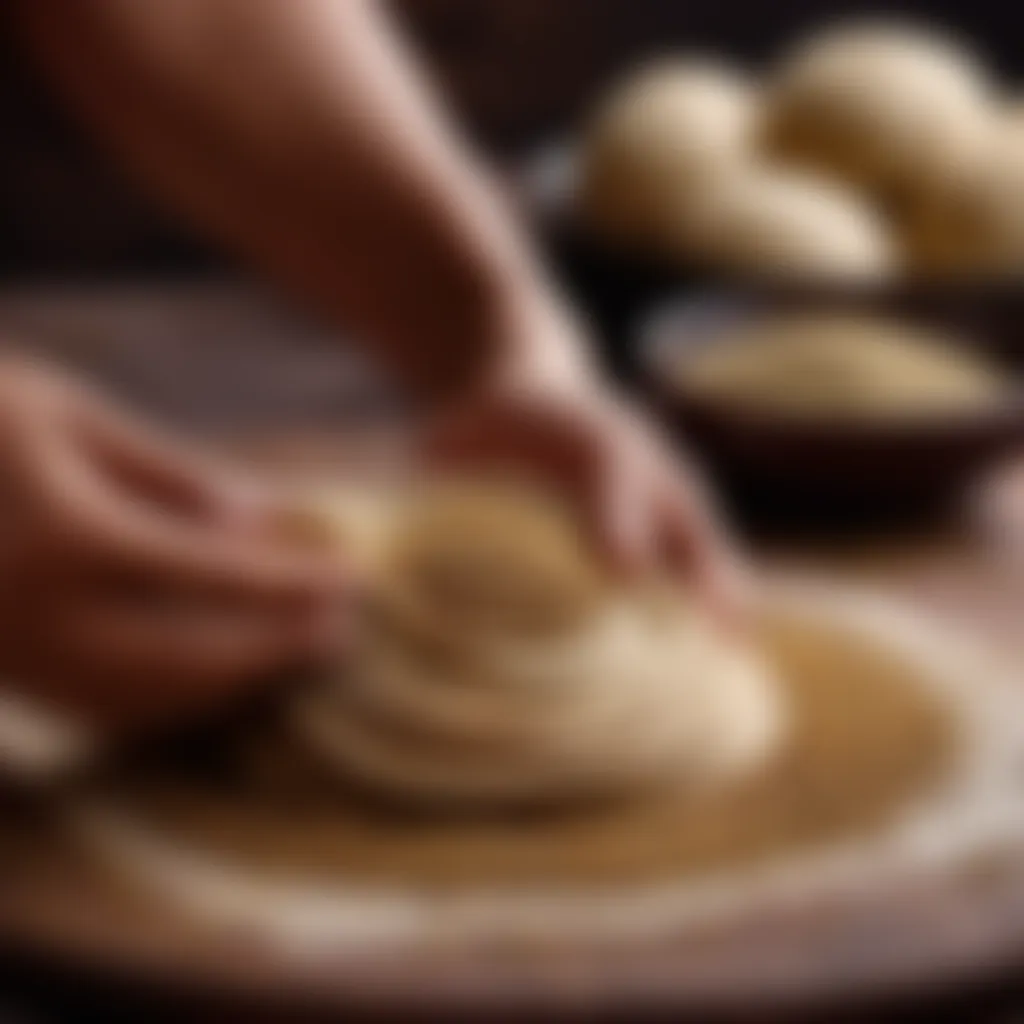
pixel 899 910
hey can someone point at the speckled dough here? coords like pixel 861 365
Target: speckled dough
pixel 836 366
pixel 500 666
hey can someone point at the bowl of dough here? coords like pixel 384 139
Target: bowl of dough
pixel 841 412
pixel 871 155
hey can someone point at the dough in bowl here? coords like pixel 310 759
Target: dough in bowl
pixel 835 366
pixel 885 106
pixel 658 140
pixel 499 666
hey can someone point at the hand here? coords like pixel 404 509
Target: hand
pixel 643 503
pixel 136 584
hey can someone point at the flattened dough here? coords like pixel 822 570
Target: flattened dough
pixel 500 666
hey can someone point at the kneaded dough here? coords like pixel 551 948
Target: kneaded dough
pixel 658 139
pixel 764 222
pixel 973 227
pixel 842 366
pixel 885 106
pixel 500 665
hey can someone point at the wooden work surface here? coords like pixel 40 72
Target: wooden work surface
pixel 221 362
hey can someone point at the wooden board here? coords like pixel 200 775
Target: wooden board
pixel 926 939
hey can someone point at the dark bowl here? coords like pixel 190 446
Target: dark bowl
pixel 781 471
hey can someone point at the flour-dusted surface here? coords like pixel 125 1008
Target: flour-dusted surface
pixel 904 765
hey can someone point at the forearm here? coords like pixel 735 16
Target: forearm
pixel 301 135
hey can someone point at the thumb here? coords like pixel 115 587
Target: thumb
pixel 168 472
pixel 619 520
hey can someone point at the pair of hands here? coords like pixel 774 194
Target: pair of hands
pixel 140 584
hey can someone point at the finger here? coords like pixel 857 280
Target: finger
pixel 698 548
pixel 530 439
pixel 619 516
pixel 212 561
pixel 164 469
pixel 141 667
pixel 103 531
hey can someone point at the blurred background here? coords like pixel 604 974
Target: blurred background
pixel 520 72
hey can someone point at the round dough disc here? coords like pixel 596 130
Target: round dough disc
pixel 501 665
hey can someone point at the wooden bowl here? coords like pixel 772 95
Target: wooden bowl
pixel 792 471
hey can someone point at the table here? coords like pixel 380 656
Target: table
pixel 224 362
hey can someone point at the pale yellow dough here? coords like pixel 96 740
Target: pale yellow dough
pixel 500 666
pixel 659 139
pixel 885 106
pixel 781 224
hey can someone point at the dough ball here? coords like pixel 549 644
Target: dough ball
pixel 782 224
pixel 888 107
pixel 974 226
pixel 1016 118
pixel 501 666
pixel 657 138
pixel 839 366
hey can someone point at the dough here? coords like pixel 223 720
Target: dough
pixel 885 106
pixel 895 742
pixel 659 138
pixel 842 366
pixel 974 226
pixel 785 224
pixel 500 666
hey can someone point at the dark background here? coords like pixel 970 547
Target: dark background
pixel 517 70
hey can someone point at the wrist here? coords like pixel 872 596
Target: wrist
pixel 532 341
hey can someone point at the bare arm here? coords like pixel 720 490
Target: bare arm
pixel 302 135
